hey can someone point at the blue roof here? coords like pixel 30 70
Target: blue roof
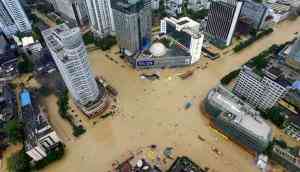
pixel 25 98
pixel 296 85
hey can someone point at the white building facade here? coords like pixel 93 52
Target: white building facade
pixel 189 30
pixel 70 55
pixel 13 18
pixel 100 17
pixel 260 91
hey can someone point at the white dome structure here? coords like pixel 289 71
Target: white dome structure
pixel 158 49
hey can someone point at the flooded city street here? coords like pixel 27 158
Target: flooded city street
pixel 152 112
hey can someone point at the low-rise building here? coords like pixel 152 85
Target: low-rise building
pixel 198 4
pixel 179 44
pixel 261 90
pixel 237 120
pixel 8 106
pixel 279 11
pixel 287 157
pixel 40 137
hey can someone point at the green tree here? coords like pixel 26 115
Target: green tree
pixel 63 104
pixel 105 43
pixel 25 65
pixel 229 77
pixel 19 162
pixel 14 131
pixel 276 116
pixel 88 38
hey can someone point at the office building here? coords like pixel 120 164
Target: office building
pixel 178 44
pixel 222 20
pixel 261 90
pixel 70 55
pixel 255 14
pixel 237 120
pixel 100 17
pixel 40 138
pixel 13 18
pixel 133 24
pixel 173 7
pixel 74 11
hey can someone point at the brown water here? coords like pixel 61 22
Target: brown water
pixel 152 112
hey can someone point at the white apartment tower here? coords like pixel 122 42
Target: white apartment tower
pixel 70 55
pixel 13 18
pixel 260 91
pixel 100 17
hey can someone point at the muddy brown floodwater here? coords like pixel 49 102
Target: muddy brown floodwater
pixel 152 112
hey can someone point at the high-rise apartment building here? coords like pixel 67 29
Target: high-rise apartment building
pixel 70 55
pixel 133 24
pixel 222 20
pixel 13 18
pixel 100 17
pixel 261 91
pixel 73 10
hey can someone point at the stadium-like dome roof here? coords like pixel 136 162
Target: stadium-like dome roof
pixel 158 49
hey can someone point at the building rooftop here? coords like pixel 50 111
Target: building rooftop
pixel 279 8
pixel 239 112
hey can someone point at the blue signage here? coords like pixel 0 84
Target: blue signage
pixel 145 63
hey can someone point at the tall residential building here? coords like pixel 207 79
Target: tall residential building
pixel 260 90
pixel 73 10
pixel 100 16
pixel 222 20
pixel 70 55
pixel 13 18
pixel 133 24
pixel 237 120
